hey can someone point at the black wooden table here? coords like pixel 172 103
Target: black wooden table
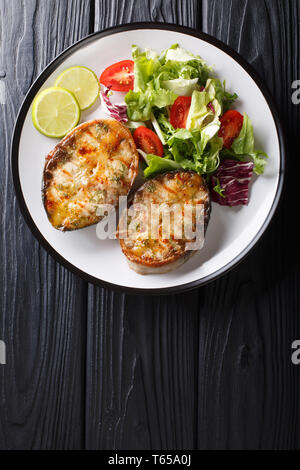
pixel 91 368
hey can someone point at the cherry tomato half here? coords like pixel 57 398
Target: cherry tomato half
pixel 179 111
pixel 119 76
pixel 231 125
pixel 147 140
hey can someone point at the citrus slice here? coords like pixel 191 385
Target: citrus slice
pixel 55 112
pixel 82 82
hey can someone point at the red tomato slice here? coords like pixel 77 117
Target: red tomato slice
pixel 179 111
pixel 119 76
pixel 231 125
pixel 147 140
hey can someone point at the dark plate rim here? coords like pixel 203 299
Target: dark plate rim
pixel 50 69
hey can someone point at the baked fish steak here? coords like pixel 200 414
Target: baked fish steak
pixel 94 164
pixel 147 246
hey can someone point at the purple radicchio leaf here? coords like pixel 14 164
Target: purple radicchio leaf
pixel 116 111
pixel 232 178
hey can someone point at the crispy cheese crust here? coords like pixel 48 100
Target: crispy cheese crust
pixel 147 254
pixel 94 164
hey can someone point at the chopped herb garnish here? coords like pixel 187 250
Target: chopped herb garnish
pixel 101 127
pixel 218 188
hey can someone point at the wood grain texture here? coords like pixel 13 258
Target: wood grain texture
pixel 88 367
pixel 248 387
pixel 141 371
pixel 42 305
pixel 141 351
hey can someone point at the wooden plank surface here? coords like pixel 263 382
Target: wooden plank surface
pixel 113 12
pixel 248 387
pixel 42 305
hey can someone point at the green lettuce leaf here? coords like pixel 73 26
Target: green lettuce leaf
pixel 259 161
pixel 140 104
pixel 165 126
pixel 177 54
pixel 244 143
pixel 243 147
pixel 210 159
pixel 145 65
pixel 212 128
pixel 224 97
pixel 181 86
pixel 162 98
pixel 198 110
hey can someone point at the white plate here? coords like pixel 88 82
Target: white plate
pixel 232 232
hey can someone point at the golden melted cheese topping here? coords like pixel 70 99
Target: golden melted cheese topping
pixel 95 164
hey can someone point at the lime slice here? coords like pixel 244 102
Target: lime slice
pixel 55 112
pixel 82 82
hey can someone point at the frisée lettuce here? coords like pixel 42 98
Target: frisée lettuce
pixel 191 149
pixel 158 80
